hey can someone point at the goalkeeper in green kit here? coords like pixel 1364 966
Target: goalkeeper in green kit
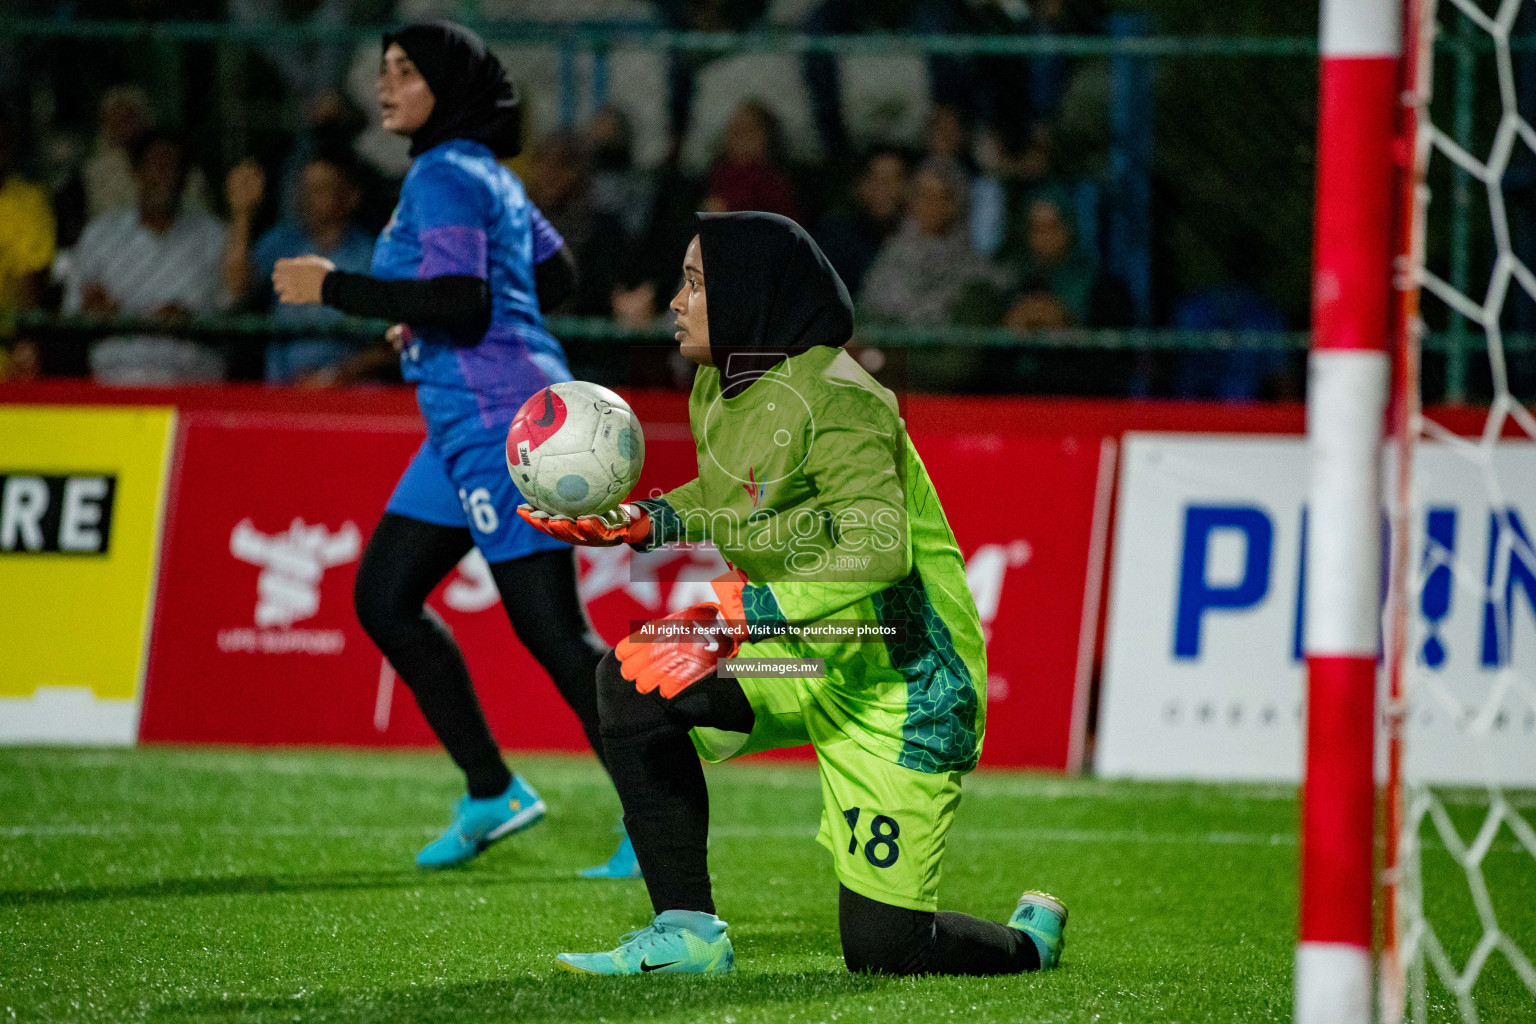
pixel 811 490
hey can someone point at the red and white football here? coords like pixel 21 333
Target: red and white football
pixel 575 449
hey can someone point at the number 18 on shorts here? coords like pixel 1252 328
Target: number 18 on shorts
pixel 885 825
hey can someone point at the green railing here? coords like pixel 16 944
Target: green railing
pixel 259 326
pixel 592 36
pixel 608 35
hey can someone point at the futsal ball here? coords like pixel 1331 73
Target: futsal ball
pixel 575 449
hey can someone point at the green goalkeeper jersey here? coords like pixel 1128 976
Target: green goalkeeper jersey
pixel 809 485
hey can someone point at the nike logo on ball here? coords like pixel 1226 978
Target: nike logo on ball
pixel 549 410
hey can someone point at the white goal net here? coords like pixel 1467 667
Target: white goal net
pixel 1461 941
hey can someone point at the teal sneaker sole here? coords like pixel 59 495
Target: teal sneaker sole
pixel 1045 901
pixel 1036 898
pixel 526 818
pixel 725 965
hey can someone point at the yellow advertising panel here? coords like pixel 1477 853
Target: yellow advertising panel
pixel 81 496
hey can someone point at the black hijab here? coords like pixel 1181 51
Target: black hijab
pixel 772 294
pixel 474 99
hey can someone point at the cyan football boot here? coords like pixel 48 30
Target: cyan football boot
pixel 479 823
pixel 621 865
pixel 675 942
pixel 1043 918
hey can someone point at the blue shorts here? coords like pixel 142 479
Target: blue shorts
pixel 470 488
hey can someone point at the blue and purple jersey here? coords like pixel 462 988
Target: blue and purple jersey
pixel 461 212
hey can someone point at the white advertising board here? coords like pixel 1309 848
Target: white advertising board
pixel 1203 672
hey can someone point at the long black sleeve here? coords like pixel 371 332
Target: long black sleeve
pixel 457 303
pixel 555 279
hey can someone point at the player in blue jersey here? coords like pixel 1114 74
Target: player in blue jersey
pixel 462 266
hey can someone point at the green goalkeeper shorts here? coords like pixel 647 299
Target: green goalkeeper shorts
pixel 885 825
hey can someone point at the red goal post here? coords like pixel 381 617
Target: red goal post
pixel 1418 30
pixel 1364 164
pixel 1376 139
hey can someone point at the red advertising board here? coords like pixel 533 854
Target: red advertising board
pixel 1031 513
pixel 255 639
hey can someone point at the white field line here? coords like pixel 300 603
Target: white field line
pixel 1037 835
pixel 423 767
pixel 983 785
pixel 104 831
pixel 1051 835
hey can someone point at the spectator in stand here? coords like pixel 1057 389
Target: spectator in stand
pixel 1055 278
pixel 158 260
pixel 26 253
pixel 1023 169
pixel 823 80
pixel 108 173
pixel 1056 285
pixel 673 221
pixel 305 68
pixel 1237 305
pixel 851 236
pixel 559 185
pixel 992 90
pixel 328 199
pixel 682 65
pixel 751 170
pixel 618 187
pixel 947 137
pixel 923 270
pixel 1049 74
pixel 107 176
pixel 331 126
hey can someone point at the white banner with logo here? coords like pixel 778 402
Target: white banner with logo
pixel 1203 672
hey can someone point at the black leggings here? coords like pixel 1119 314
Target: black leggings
pixel 405 559
pixel 666 812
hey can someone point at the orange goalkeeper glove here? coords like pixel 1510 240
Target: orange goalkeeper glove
pixel 676 651
pixel 625 524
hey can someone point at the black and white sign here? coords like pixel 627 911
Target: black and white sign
pixel 50 514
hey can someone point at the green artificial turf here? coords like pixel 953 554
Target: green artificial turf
pixel 229 885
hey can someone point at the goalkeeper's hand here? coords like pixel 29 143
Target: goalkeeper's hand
pixel 684 647
pixel 625 524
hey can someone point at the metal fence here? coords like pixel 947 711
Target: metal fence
pixel 1261 72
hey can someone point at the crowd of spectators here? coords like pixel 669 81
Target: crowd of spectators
pixel 325 226
pixel 973 224
pixel 157 259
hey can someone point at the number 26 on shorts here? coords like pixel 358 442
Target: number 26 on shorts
pixel 881 849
